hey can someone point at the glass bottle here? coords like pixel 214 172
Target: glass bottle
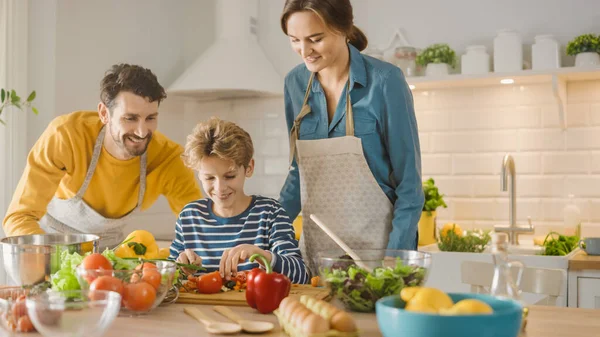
pixel 503 285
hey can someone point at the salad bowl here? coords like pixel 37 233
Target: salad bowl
pixel 358 284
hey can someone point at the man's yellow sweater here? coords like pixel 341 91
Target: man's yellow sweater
pixel 59 160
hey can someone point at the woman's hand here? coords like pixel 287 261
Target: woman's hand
pixel 188 256
pixel 232 257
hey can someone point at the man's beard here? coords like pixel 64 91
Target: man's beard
pixel 132 151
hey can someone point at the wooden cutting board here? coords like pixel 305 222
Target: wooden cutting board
pixel 237 298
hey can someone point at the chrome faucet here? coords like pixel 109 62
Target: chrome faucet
pixel 513 230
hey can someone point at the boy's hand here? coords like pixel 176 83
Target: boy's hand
pixel 189 257
pixel 231 258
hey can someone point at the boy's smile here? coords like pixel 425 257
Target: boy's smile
pixel 223 182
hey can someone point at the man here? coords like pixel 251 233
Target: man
pixel 90 171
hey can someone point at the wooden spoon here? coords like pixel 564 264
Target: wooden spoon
pixel 248 326
pixel 340 243
pixel 212 326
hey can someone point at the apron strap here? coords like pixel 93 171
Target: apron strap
pixel 306 110
pixel 349 112
pixel 93 162
pixel 296 126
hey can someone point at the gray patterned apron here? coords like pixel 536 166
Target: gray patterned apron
pixel 75 216
pixel 337 185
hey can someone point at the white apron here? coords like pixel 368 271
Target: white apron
pixel 337 185
pixel 75 216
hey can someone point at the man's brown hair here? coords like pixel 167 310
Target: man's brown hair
pixel 132 78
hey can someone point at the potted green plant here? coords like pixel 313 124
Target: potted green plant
pixel 437 58
pixel 585 48
pixel 433 200
pixel 10 98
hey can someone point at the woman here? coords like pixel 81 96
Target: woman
pixel 356 163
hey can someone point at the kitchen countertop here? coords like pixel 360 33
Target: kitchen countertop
pixel 170 321
pixel 582 261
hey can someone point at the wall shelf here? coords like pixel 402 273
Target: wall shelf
pixel 559 79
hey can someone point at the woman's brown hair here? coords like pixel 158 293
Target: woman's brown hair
pixel 336 14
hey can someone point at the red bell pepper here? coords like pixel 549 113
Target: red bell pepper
pixel 266 289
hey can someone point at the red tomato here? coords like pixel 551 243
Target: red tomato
pixel 24 324
pixel 19 309
pixel 106 283
pixel 96 261
pixel 210 283
pixel 152 276
pixel 139 296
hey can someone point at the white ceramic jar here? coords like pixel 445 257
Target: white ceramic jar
pixel 475 61
pixel 545 53
pixel 508 51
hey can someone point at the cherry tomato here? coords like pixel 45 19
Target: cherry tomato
pixel 109 283
pixel 139 296
pixel 210 283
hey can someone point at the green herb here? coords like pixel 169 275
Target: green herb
pixel 556 244
pixel 10 98
pixel 472 242
pixel 433 198
pixel 437 53
pixel 584 44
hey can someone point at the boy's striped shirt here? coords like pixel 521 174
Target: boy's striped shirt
pixel 264 224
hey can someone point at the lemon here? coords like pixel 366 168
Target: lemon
pixel 426 299
pixel 468 307
pixel 450 226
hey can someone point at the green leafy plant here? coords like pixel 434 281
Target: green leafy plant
pixel 433 198
pixel 583 44
pixel 556 244
pixel 10 98
pixel 437 53
pixel 472 242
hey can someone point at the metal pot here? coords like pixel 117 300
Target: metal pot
pixel 31 259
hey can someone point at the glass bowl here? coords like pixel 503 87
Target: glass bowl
pixel 379 273
pixel 13 312
pixel 73 313
pixel 143 289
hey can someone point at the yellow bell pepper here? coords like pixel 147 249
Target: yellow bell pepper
pixel 139 243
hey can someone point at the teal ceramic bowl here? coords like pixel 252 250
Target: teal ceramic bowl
pixel 394 321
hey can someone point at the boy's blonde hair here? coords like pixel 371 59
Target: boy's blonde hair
pixel 223 139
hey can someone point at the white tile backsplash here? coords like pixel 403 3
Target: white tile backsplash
pixel 464 134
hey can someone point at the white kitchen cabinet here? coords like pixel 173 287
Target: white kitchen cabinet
pixel 584 289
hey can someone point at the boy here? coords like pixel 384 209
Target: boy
pixel 223 230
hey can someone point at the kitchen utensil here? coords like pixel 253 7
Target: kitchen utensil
pixel 74 313
pixel 248 326
pixel 31 259
pixel 237 298
pixel 340 243
pixel 212 326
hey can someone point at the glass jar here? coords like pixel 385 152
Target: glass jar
pixel 405 59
